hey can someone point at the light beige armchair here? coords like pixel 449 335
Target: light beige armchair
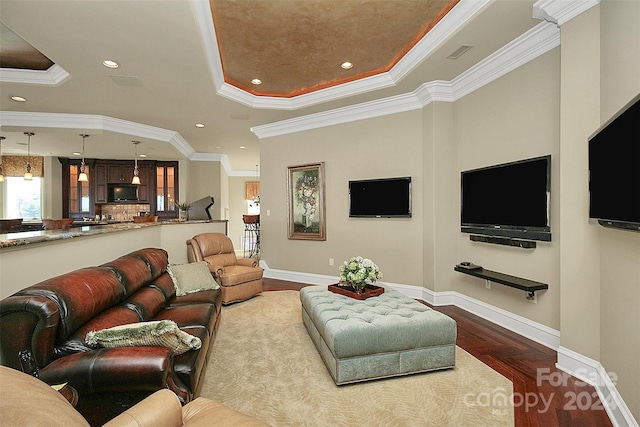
pixel 27 401
pixel 239 278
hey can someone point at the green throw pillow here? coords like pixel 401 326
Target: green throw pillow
pixel 159 333
pixel 192 277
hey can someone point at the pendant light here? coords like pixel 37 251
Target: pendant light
pixel 2 138
pixel 27 175
pixel 83 176
pixel 136 176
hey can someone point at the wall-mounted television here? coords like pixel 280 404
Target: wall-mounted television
pixel 122 193
pixel 380 198
pixel 509 200
pixel 614 170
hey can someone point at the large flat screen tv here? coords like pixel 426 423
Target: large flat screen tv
pixel 614 170
pixel 380 198
pixel 508 200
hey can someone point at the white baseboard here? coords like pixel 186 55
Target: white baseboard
pixel 575 364
pixel 592 372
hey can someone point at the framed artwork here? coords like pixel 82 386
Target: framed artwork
pixel 305 200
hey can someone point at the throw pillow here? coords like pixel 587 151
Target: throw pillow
pixel 159 333
pixel 192 277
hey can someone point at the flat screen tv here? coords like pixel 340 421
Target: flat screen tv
pixel 380 198
pixel 123 193
pixel 509 200
pixel 614 170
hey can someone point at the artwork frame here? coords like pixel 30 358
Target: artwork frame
pixel 305 202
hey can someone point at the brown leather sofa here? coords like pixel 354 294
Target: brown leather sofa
pixel 26 401
pixel 239 278
pixel 43 330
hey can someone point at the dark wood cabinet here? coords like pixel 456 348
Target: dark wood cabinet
pixel 78 199
pixel 100 183
pixel 165 190
pixel 83 199
pixel 119 173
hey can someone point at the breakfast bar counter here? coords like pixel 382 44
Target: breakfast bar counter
pixel 27 258
pixel 11 240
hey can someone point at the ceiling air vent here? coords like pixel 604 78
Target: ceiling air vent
pixel 460 51
pixel 130 81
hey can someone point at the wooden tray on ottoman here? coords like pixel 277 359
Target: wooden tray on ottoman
pixel 369 291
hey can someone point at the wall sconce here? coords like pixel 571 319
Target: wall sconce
pixel 2 138
pixel 136 176
pixel 27 174
pixel 83 176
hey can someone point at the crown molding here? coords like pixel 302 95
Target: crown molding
pixel 110 124
pixel 54 76
pixel 452 22
pixel 540 39
pixel 561 11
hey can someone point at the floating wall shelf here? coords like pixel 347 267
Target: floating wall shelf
pixel 529 286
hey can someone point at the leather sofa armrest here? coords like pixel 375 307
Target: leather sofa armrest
pixel 111 370
pixel 161 409
pixel 247 262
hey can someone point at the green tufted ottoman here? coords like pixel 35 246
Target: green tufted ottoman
pixel 383 336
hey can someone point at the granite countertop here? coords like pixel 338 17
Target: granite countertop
pixel 11 240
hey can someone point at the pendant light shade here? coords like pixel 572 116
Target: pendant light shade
pixel 136 176
pixel 82 177
pixel 27 175
pixel 2 138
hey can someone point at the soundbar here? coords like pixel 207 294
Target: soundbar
pixel 506 241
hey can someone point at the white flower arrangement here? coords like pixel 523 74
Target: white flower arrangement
pixel 359 272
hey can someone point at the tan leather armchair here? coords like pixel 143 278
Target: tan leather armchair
pixel 27 401
pixel 239 278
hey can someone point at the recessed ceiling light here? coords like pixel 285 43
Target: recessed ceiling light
pixel 110 64
pixel 242 147
pixel 346 65
pixel 143 155
pixel 256 81
pixel 75 153
pixel 199 125
pixel 19 98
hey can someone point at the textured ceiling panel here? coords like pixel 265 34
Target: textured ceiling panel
pixel 297 46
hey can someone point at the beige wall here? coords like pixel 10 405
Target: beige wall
pixel 548 106
pixel 204 179
pixel 390 146
pixel 619 250
pixel 515 117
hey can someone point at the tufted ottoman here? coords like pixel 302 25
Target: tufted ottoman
pixel 383 336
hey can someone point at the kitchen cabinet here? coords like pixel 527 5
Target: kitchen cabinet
pixel 119 173
pixel 83 199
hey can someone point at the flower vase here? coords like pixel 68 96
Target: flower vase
pixel 183 215
pixel 359 289
pixel 306 220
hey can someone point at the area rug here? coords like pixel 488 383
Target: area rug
pixel 264 364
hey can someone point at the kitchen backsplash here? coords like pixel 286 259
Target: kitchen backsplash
pixel 124 212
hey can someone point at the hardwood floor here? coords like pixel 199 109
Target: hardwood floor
pixel 543 395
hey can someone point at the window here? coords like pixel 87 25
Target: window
pixel 23 199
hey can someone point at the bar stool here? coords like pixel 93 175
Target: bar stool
pixel 251 235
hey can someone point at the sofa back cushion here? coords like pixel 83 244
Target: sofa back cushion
pixel 138 268
pixel 79 296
